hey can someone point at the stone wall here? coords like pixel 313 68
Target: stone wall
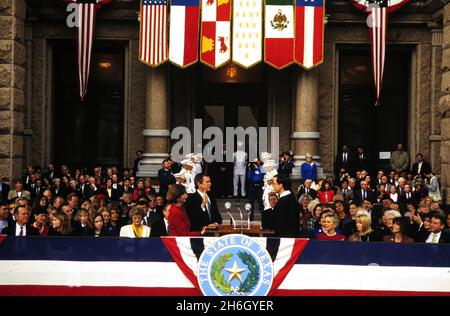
pixel 444 107
pixel 12 76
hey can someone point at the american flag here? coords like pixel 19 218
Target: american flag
pixel 377 21
pixel 87 10
pixel 153 48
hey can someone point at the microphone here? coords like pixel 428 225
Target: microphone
pixel 248 208
pixel 227 208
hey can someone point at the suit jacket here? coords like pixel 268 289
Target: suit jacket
pixel 348 195
pixel 287 217
pixel 166 178
pixel 127 231
pixel 4 193
pixel 339 162
pixel 312 193
pixel 358 196
pixel 36 193
pixel 114 194
pixel 159 228
pixel 11 230
pixel 362 163
pixel 199 217
pixel 13 194
pixel 426 168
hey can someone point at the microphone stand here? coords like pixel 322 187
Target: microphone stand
pixel 248 218
pixel 232 220
pixel 240 213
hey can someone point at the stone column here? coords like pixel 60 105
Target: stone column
pixel 436 78
pixel 12 75
pixel 305 135
pixel 444 107
pixel 156 132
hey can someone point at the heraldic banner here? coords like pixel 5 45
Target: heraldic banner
pixel 216 32
pixel 233 265
pixel 279 33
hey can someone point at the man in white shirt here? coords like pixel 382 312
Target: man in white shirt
pixel 240 164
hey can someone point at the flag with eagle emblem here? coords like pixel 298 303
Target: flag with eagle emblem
pixel 279 33
pixel 377 21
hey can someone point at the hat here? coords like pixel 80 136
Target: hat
pixel 189 156
pixel 179 175
pixel 269 176
pixel 265 156
pixel 187 162
pixel 197 157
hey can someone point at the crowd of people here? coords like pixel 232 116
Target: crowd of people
pixel 400 205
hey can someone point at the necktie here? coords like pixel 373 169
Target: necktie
pixel 345 157
pixel 307 190
pixel 434 239
pixel 364 194
pixel 21 231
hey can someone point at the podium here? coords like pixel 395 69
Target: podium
pixel 254 230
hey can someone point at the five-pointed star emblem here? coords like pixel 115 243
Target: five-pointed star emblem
pixel 235 272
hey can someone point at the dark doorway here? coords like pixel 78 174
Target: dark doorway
pixel 376 128
pixel 89 133
pixel 232 97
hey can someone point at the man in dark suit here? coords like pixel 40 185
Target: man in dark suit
pixel 201 206
pixel 306 189
pixel 137 161
pixel 4 190
pixel 438 234
pixel 161 226
pixel 286 212
pixel 408 195
pixel 165 177
pixel 364 193
pixel 344 160
pixel 21 227
pixel 420 167
pixel 362 161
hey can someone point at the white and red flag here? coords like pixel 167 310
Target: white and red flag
pixel 247 32
pixel 184 28
pixel 279 33
pixel 153 48
pixel 309 32
pixel 377 21
pixel 215 33
pixel 87 10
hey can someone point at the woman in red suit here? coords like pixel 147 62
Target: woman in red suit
pixel 326 193
pixel 179 222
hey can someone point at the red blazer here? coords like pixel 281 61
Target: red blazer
pixel 325 196
pixel 179 222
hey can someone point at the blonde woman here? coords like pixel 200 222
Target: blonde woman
pixel 329 222
pixel 364 230
pixel 136 229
